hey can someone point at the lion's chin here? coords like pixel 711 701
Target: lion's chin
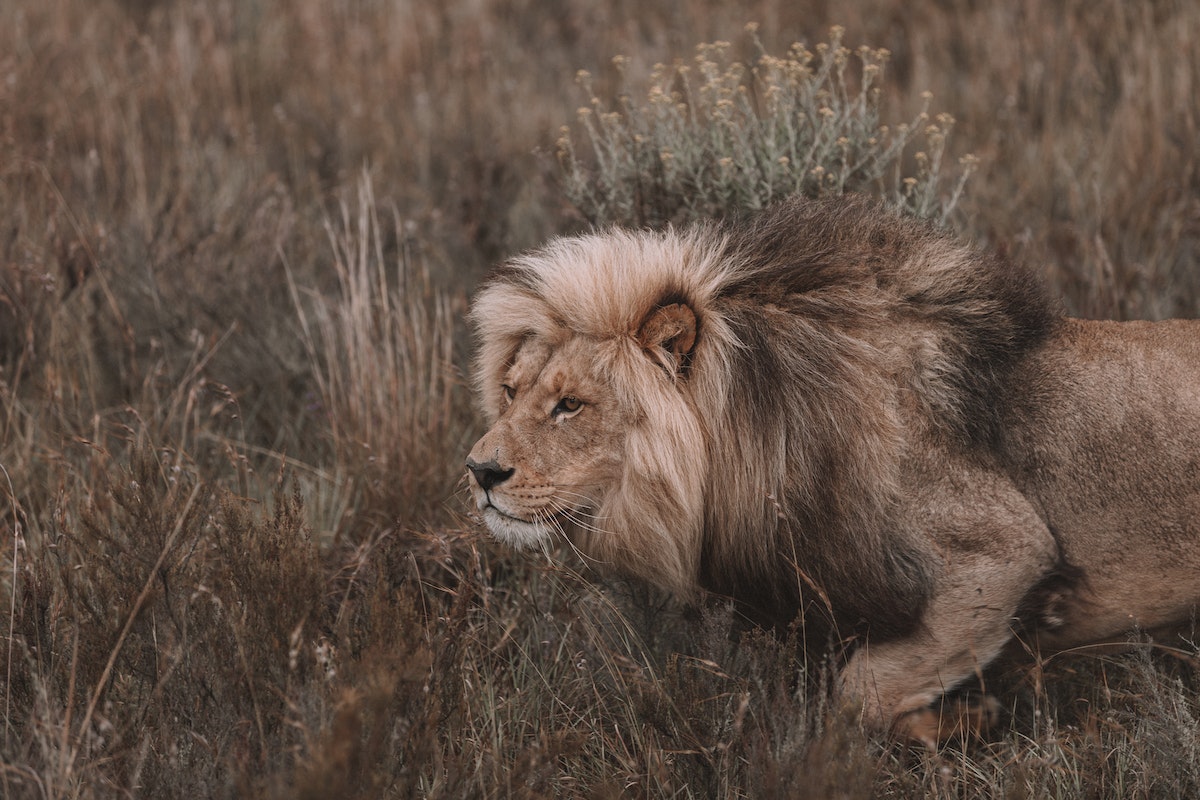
pixel 516 533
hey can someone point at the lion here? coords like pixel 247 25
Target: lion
pixel 837 415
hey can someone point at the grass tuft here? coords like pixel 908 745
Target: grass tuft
pixel 382 356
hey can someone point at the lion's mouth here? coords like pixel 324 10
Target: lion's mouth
pixel 489 506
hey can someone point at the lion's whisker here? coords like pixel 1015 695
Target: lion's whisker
pixel 585 510
pixel 579 518
pixel 557 526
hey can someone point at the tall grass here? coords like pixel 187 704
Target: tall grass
pixel 382 352
pixel 235 244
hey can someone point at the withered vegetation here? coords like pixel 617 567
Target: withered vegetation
pixel 236 243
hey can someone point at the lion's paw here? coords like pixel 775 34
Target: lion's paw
pixel 956 719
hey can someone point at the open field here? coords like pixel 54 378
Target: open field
pixel 237 240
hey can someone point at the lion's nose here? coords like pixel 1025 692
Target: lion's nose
pixel 489 473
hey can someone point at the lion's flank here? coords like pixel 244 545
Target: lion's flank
pixel 793 358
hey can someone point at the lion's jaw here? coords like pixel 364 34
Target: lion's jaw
pixel 516 533
pixel 532 511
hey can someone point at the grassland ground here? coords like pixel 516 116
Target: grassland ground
pixel 236 244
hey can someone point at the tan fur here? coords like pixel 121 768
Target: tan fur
pixel 831 413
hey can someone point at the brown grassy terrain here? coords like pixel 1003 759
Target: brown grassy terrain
pixel 236 243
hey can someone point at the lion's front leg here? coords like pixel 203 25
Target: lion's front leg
pixel 993 549
pixel 899 687
pixel 916 708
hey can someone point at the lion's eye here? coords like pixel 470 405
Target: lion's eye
pixel 509 393
pixel 568 406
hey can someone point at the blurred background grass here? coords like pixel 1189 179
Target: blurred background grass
pixel 236 243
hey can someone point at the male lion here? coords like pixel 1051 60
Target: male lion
pixel 833 411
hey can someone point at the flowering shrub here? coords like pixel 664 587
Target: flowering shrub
pixel 719 136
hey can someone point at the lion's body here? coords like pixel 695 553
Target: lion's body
pixel 833 412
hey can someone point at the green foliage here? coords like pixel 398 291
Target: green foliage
pixel 719 137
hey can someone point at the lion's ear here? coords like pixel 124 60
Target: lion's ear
pixel 669 334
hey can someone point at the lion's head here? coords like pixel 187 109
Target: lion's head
pixel 593 439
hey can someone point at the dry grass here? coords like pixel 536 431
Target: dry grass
pixel 382 352
pixel 235 243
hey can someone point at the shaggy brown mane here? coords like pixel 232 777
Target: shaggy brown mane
pixel 848 307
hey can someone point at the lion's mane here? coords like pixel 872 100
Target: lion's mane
pixel 832 337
